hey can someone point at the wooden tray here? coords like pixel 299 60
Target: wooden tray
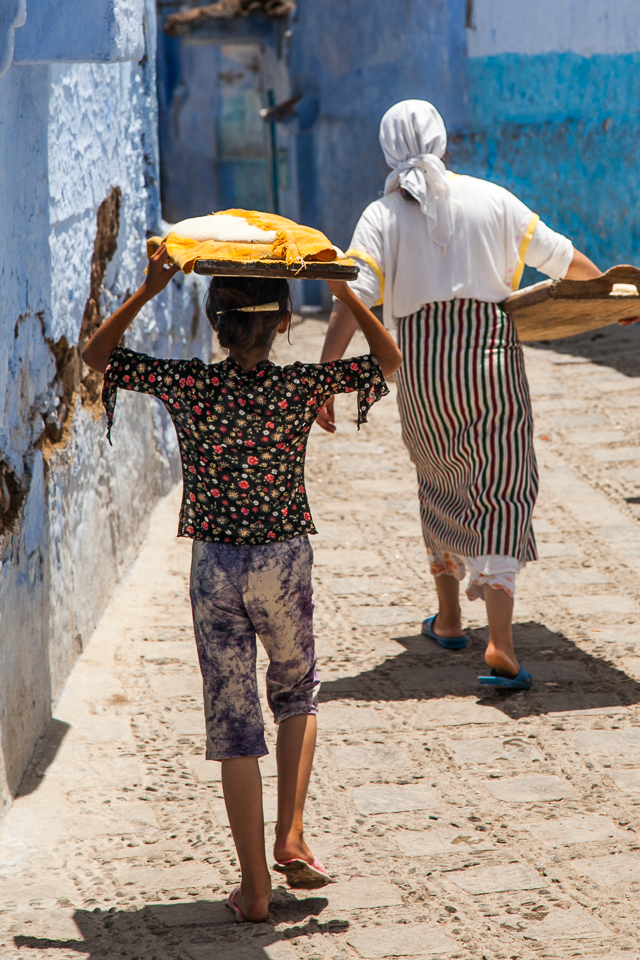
pixel 312 270
pixel 563 308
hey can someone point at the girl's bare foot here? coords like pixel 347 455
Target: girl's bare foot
pixel 291 846
pixel 242 788
pixel 253 904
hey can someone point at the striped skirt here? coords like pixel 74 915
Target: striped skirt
pixel 467 423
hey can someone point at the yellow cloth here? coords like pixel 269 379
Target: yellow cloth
pixel 293 244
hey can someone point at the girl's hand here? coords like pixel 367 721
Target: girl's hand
pixel 97 351
pixel 339 288
pixel 381 344
pixel 159 273
pixel 326 417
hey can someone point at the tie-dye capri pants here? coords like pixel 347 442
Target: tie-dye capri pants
pixel 236 593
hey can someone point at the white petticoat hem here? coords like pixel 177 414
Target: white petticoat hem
pixel 491 569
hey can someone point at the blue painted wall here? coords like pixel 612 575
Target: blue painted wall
pixel 349 60
pixel 212 141
pixel 553 107
pixel 561 131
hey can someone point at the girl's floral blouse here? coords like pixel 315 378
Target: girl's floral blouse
pixel 242 436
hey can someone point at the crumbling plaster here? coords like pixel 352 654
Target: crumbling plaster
pixel 73 509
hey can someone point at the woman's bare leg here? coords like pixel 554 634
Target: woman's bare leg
pixel 294 753
pixel 448 622
pixel 500 653
pixel 242 788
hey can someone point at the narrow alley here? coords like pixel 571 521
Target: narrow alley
pixel 457 824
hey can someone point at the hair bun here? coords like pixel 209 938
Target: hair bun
pixel 240 329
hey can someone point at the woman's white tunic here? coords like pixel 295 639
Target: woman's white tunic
pixel 494 235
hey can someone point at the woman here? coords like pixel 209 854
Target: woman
pixel 440 252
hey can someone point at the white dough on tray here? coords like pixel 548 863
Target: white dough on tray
pixel 222 227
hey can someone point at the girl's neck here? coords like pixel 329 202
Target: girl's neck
pixel 250 359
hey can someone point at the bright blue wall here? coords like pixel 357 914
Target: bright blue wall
pixel 561 131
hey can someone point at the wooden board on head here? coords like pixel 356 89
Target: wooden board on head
pixel 309 270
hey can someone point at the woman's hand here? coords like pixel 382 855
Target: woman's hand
pixel 160 271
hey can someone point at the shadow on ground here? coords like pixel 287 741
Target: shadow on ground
pixel 203 930
pixel 565 677
pixel 613 346
pixel 44 754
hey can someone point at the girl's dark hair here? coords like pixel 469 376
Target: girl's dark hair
pixel 245 331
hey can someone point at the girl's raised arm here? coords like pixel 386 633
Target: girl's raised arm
pixel 382 345
pixel 104 341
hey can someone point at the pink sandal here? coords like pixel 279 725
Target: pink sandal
pixel 231 903
pixel 308 876
pixel 240 917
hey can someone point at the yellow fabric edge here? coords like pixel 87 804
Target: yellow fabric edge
pixel 375 266
pixel 185 252
pixel 526 240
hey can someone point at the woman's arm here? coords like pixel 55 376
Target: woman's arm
pixel 381 344
pixel 342 326
pixel 581 268
pixel 104 341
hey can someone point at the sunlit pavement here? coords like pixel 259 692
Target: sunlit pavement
pixel 456 824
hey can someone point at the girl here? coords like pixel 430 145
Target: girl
pixel 242 427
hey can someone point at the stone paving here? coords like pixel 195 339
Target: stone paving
pixel 457 825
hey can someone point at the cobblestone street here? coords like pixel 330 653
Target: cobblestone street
pixel 457 824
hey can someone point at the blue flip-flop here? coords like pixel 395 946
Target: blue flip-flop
pixel 522 682
pixel 449 643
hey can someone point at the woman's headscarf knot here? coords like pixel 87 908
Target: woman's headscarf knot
pixel 413 138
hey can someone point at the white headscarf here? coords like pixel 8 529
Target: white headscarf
pixel 413 138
